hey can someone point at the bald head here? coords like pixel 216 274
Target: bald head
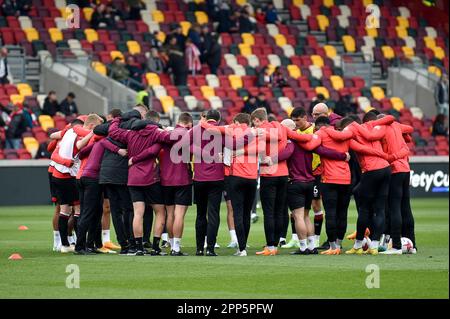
pixel 290 124
pixel 320 109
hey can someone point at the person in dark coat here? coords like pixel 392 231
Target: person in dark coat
pixel 177 63
pixel 245 25
pixel 51 106
pixel 250 105
pixel 68 106
pixel 214 56
pixel 16 127
pixel 206 40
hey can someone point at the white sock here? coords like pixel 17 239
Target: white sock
pixel 338 243
pixel 317 237
pixel 333 245
pixel 171 242
pixel 271 247
pixel 176 244
pixel 164 236
pixel 233 236
pixel 302 244
pixel 358 244
pixel 295 237
pixel 374 244
pixel 74 235
pixel 282 239
pixel 105 236
pixel 56 238
pixel 311 242
pixel 70 239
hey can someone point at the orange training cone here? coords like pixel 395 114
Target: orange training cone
pixel 23 227
pixel 15 257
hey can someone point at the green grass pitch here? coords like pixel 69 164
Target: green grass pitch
pixel 42 273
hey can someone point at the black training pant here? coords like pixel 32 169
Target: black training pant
pixel 121 212
pixel 242 195
pixel 399 210
pixel 208 196
pixel 335 199
pixel 91 211
pixel 148 222
pixel 273 192
pixel 372 192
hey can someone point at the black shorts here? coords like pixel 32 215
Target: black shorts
pixel 300 194
pixel 52 188
pixel 105 193
pixel 66 191
pixel 177 195
pixel 316 193
pixel 226 192
pixel 151 194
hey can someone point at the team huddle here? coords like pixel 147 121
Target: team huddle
pixel 150 175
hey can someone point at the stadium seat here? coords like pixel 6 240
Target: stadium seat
pixel 46 122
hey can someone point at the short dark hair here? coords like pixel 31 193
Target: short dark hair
pixel 51 92
pixel 320 97
pixel 115 113
pixel 77 122
pixel 185 118
pixel 213 115
pixel 102 117
pixel 71 95
pixel 153 116
pixel 346 121
pixel 272 118
pixel 369 116
pixel 242 118
pixel 355 118
pixel 322 121
pixel 298 112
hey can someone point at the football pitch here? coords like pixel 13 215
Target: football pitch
pixel 42 273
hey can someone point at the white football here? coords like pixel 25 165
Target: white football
pixel 366 243
pixel 407 245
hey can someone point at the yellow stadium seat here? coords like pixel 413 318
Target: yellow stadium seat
pixel 349 43
pixel 16 98
pixel 377 93
pixel 117 54
pixel 247 38
pixel 91 35
pixel 401 32
pixel 337 82
pixel 207 91
pixel 438 52
pixel 408 52
pixel 402 22
pixel 323 22
pixel 23 86
pixel 235 81
pixel 201 17
pixel 161 36
pixel 26 92
pixel 330 51
pixel 31 34
pixel 288 110
pixel 298 3
pixel 55 34
pixel 435 70
pixel 280 40
pixel 157 16
pixel 245 49
pixel 31 145
pixel 99 67
pixel 317 60
pixel 323 90
pixel 294 71
pixel 185 26
pixel 241 2
pixel 372 32
pixel 167 103
pixel 429 42
pixel 199 1
pixel 133 47
pixel 153 79
pixel 328 3
pixel 46 122
pixel 397 103
pixel 88 11
pixel 388 52
pixel 367 2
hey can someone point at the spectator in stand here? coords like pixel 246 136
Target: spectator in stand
pixel 192 54
pixel 261 101
pixel 264 77
pixel 250 105
pixel 68 106
pixel 17 125
pixel 271 14
pixel 51 106
pixel 177 63
pixel 214 56
pixel 320 98
pixel 260 16
pixel 200 107
pixel 234 22
pixel 206 40
pixel 223 17
pixel 177 32
pixel 245 24
pixel 118 71
pixel 135 72
pixel 154 42
pixel 4 66
pixel 278 79
pixel 135 9
pixel 441 95
pixel 102 18
pixel 194 34
pixel 16 7
pixel 154 62
pixel 346 106
pixel 439 128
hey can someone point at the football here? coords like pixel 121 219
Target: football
pixel 407 245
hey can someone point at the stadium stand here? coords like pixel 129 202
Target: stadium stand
pixel 309 67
